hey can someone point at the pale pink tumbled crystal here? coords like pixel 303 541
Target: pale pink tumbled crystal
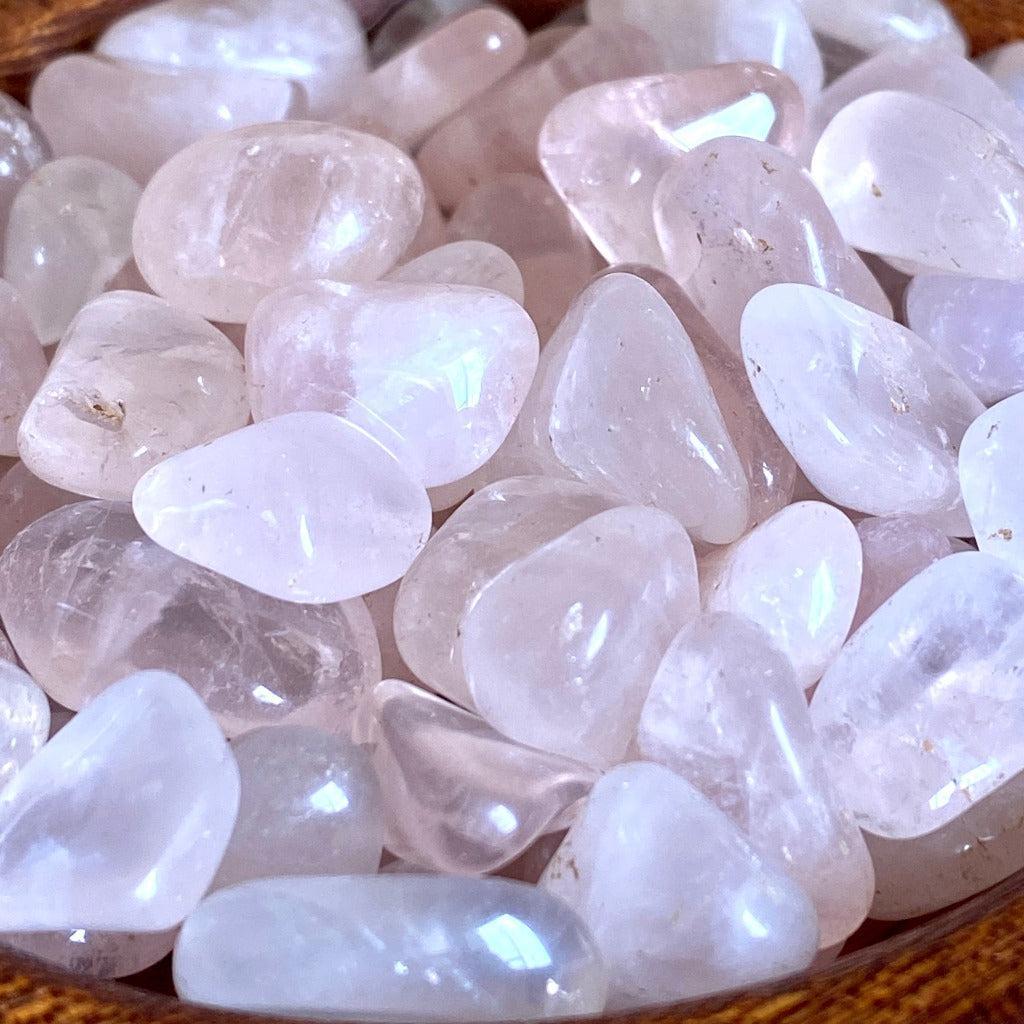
pixel 22 366
pixel 479 264
pixel 92 953
pixel 24 720
pixel 23 149
pixel 871 25
pixel 24 498
pixel 234 216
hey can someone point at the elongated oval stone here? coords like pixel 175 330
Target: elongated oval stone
pixel 24 720
pixel 134 381
pixel 870 413
pixel 437 373
pixel 232 217
pixel 22 366
pixel 305 508
pixel 318 43
pixel 93 953
pixel 877 24
pixel 967 217
pixel 310 805
pixel 68 236
pixel 24 498
pixel 462 799
pixel 726 712
pixel 474 263
pixel 606 147
pixel 23 149
pixel 668 886
pixel 919 715
pixel 120 821
pixel 88 599
pixel 465 949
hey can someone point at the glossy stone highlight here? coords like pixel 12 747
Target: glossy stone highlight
pixel 24 720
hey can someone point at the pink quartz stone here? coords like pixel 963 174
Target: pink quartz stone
pixel 460 798
pixel 479 264
pixel 523 215
pixel 24 498
pixel 24 720
pixel 758 220
pixel 263 207
pixel 23 149
pixel 22 366
pixel 410 20
pixel 305 507
pixel 605 148
pixel 497 132
pixel 92 953
pixel 436 372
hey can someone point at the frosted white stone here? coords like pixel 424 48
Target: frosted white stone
pixel 24 720
pixel 871 25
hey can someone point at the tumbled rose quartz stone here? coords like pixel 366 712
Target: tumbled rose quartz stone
pixel 725 711
pixel 678 901
pixel 24 498
pixel 703 32
pixel 495 527
pixel 559 648
pixel 120 821
pixel 462 799
pixel 68 236
pixel 871 166
pixel 605 148
pixel 392 947
pixel 920 713
pixel 22 366
pixel 317 43
pixel 92 953
pixel 305 507
pixel 497 132
pixel 478 264
pixel 623 403
pixel 1005 66
pixel 798 576
pixel 23 149
pixel 408 21
pixel 232 217
pixel 24 720
pixel 436 372
pixel 974 324
pixel 310 805
pixel 876 24
pixel 133 381
pixel 870 413
pixel 88 599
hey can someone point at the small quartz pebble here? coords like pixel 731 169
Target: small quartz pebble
pixel 605 148
pixel 976 326
pixel 1005 65
pixel 872 25
pixel 23 149
pixel 726 713
pixel 391 947
pixel 920 713
pixel 478 264
pixel 967 216
pixel 68 236
pixel 232 217
pixel 870 413
pixel 92 953
pixel 133 381
pixel 305 507
pixel 310 805
pixel 461 798
pixel 559 648
pixel 798 576
pixel 22 366
pixel 436 372
pixel 24 498
pixel 499 524
pixel 120 821
pixel 409 20
pixel 24 720
pixel 679 903
pixel 88 599
pixel 317 43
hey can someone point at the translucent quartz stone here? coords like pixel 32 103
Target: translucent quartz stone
pixel 23 149
pixel 95 954
pixel 605 148
pixel 68 235
pixel 758 220
pixel 390 946
pixel 870 413
pixel 495 527
pixel 262 207
pixel 618 587
pixel 703 32
pixel 433 229
pixel 24 498
pixel 310 805
pixel 798 576
pixel 679 903
pixel 408 21
pixel 134 381
pixel 88 598
pixel 896 549
pixel 462 799
pixel 436 372
pixel 22 367
pixel 974 324
pixel 726 713
pixel 920 713
pixel 478 264
pixel 497 132
pixel 381 606
pixel 522 214
pixel 317 43
pixel 24 720
pixel 120 821
pixel 6 650
pixel 305 507
pixel 967 218
pixel 1005 66
pixel 876 24
pixel 623 403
